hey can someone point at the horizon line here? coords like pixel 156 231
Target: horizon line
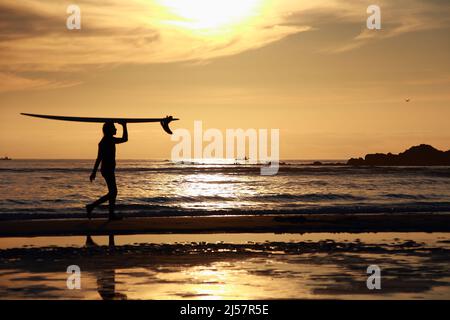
pixel 165 159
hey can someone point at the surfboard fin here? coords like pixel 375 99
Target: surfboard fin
pixel 165 123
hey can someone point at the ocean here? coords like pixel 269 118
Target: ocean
pixel 34 189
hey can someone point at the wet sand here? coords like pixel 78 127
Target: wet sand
pixel 358 223
pixel 228 266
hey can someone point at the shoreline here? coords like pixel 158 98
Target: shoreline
pixel 299 223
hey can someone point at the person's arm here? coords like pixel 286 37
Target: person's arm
pixel 124 136
pixel 97 164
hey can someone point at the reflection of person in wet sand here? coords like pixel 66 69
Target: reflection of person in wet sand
pixel 107 157
pixel 106 279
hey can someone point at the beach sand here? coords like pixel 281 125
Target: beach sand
pixel 228 266
pixel 404 222
pixel 232 257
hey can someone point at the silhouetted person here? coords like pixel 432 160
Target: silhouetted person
pixel 107 158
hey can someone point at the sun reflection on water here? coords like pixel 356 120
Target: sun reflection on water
pixel 217 191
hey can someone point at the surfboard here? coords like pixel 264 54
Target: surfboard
pixel 163 121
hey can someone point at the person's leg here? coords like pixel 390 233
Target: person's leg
pixel 112 188
pixel 90 207
pixel 101 200
pixel 110 180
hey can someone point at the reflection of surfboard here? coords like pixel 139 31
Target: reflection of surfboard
pixel 163 121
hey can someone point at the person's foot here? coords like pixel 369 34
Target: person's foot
pixel 115 217
pixel 89 209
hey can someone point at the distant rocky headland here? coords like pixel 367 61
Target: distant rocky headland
pixel 422 155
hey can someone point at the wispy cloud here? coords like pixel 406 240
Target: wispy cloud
pixel 398 18
pixel 34 37
pixel 14 82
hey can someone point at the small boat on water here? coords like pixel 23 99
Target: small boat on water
pixel 5 158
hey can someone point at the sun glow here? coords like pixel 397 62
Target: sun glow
pixel 211 16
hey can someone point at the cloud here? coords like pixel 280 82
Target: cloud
pixel 34 37
pixel 399 18
pixel 17 22
pixel 13 82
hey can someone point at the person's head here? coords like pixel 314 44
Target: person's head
pixel 109 129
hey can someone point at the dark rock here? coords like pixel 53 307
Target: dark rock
pixel 422 155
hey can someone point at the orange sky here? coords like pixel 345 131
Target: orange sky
pixel 310 68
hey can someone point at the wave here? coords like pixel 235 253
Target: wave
pixel 256 198
pixel 410 196
pixel 303 170
pixel 310 197
pixel 140 210
pixel 148 189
